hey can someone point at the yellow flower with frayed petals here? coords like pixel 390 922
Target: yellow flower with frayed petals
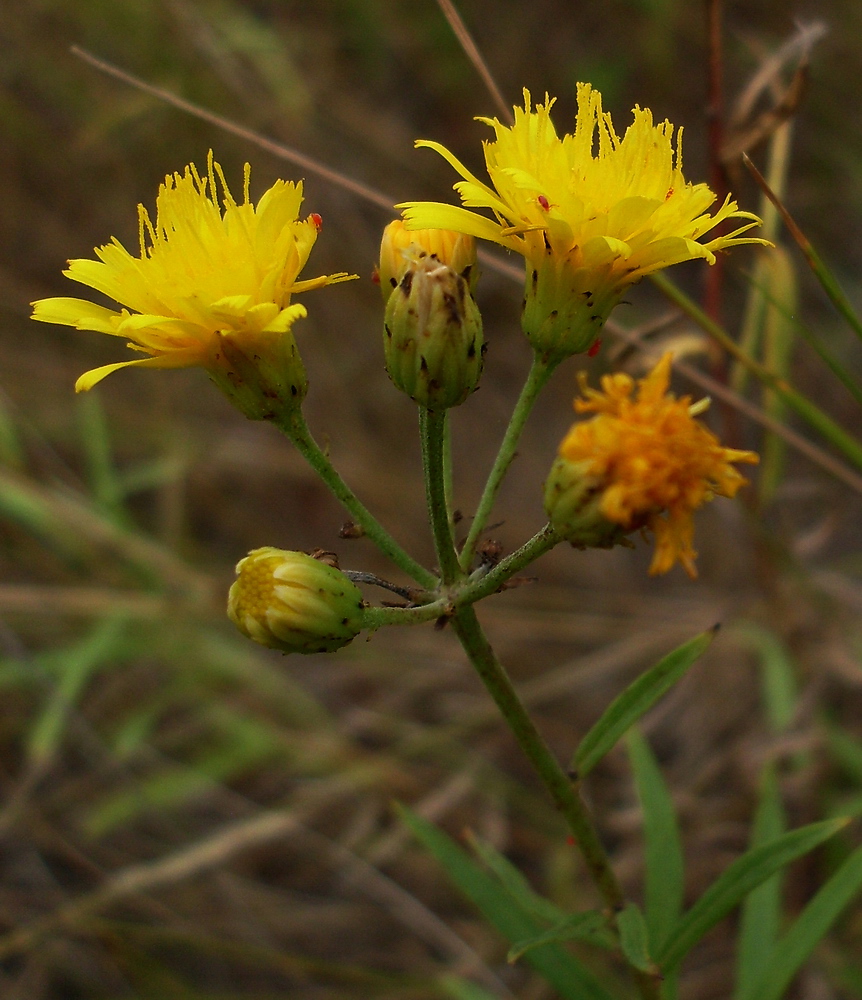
pixel 643 461
pixel 591 213
pixel 211 274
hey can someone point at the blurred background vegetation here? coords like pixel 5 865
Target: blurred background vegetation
pixel 188 816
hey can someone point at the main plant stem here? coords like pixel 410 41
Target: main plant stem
pixel 540 371
pixel 295 427
pixel 549 769
pixel 562 790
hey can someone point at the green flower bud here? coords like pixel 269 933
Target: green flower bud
pixel 260 371
pixel 573 502
pixel 293 602
pixel 565 307
pixel 432 335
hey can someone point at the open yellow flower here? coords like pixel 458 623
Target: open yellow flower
pixel 213 278
pixel 643 461
pixel 591 213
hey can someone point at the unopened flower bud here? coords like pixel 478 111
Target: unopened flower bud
pixel 293 602
pixel 432 335
pixel 400 247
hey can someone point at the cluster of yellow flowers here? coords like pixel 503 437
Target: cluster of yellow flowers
pixel 590 213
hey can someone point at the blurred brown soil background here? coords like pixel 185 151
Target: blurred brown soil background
pixel 136 728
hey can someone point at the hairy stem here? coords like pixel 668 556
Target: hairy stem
pixel 295 427
pixel 558 784
pixel 561 789
pixel 432 427
pixel 540 371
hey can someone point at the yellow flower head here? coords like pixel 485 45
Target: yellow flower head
pixel 591 213
pixel 642 461
pixel 208 269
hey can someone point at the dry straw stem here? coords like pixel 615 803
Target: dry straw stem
pixel 796 441
pixel 231 841
pixel 471 50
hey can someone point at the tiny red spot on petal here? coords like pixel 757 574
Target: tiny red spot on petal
pixel 543 201
pixel 669 193
pixel 317 220
pixel 594 350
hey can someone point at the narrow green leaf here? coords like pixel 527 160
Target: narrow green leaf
pixel 637 699
pixel 590 927
pixel 77 665
pixel 788 956
pixel 634 938
pixel 734 884
pixel 514 882
pixel 761 911
pixel 569 977
pixel 664 883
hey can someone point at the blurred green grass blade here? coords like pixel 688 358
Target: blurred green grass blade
pixel 844 375
pixel 846 750
pixel 246 663
pixel 823 274
pixel 590 927
pixel 514 882
pixel 788 956
pixel 21 503
pixel 95 436
pixel 760 919
pixel 150 475
pixel 77 665
pixel 734 884
pixel 245 743
pixel 778 673
pixel 634 938
pixel 664 883
pixel 569 977
pixel 11 448
pixel 778 350
pixel 840 439
pixel 462 989
pixel 637 699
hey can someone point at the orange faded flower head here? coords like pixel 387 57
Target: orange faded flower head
pixel 642 461
pixel 212 277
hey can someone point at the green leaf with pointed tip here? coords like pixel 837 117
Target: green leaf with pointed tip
pixel 734 884
pixel 638 698
pixel 634 938
pixel 590 927
pixel 568 976
pixel 787 957
pixel 664 882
